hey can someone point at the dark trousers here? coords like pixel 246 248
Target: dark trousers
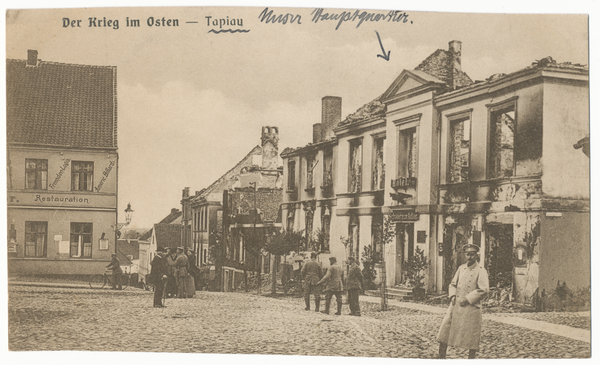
pixel 316 291
pixel 116 280
pixel 353 295
pixel 159 288
pixel 338 298
pixel 181 287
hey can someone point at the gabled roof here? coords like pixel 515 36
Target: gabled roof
pixel 174 216
pixel 58 104
pixel 128 247
pixel 440 64
pixel 417 77
pixel 204 193
pixel 167 235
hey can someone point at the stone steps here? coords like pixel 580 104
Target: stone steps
pixel 394 292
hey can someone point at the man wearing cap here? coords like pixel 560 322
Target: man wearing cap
pixel 311 272
pixel 334 286
pixel 354 286
pixel 158 273
pixel 115 266
pixel 181 266
pixel 461 327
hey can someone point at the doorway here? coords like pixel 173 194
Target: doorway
pixel 405 248
pixel 499 254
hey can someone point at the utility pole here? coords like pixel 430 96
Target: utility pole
pixel 255 235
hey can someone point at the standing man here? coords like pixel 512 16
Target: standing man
pixel 171 286
pixel 461 327
pixel 193 269
pixel 334 285
pixel 115 266
pixel 354 286
pixel 158 273
pixel 311 272
pixel 181 267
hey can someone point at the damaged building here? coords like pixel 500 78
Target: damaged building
pixel 453 161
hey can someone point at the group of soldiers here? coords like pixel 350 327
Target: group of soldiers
pixel 461 326
pixel 172 274
pixel 333 280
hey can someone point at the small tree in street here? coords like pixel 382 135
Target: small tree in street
pixel 281 243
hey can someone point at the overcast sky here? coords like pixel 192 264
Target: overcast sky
pixel 191 103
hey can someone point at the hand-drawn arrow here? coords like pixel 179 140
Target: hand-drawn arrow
pixel 384 56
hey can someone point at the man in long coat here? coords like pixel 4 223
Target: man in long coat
pixel 158 274
pixel 311 272
pixel 461 327
pixel 115 266
pixel 171 282
pixel 354 286
pixel 181 272
pixel 334 286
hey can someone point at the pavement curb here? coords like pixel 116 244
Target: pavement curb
pixel 551 328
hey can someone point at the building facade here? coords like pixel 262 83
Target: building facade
pixel 202 213
pixel 451 161
pixel 62 166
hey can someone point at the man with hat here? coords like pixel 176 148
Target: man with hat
pixel 311 272
pixel 334 286
pixel 354 286
pixel 115 266
pixel 181 266
pixel 159 275
pixel 461 327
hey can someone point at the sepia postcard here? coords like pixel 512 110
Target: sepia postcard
pixel 345 183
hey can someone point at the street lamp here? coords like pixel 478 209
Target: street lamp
pixel 117 227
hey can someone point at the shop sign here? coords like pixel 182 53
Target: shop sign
pixel 404 215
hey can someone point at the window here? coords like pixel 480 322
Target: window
pixel 311 163
pixel 35 239
pixel 292 175
pixel 407 153
pixel 378 164
pixel 355 168
pixel 460 150
pixel 36 174
pixel 327 168
pixel 81 240
pixel 82 176
pixel 502 142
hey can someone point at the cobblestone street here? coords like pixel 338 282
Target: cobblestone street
pixel 48 318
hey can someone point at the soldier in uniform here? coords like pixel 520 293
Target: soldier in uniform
pixel 115 266
pixel 354 286
pixel 311 272
pixel 158 273
pixel 461 327
pixel 181 272
pixel 334 286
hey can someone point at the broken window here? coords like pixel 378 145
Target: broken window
pixel 311 162
pixel 328 168
pixel 407 153
pixel 378 164
pixel 502 142
pixel 355 168
pixel 292 175
pixel 460 150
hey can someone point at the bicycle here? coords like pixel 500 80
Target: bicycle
pixel 99 281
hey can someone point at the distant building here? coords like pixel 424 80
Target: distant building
pixel 166 233
pixel 452 161
pixel 62 164
pixel 202 213
pixel 249 218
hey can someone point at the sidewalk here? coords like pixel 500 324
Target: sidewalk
pixel 551 328
pixel 50 285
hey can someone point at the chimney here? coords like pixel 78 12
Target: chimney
pixel 174 210
pixel 455 49
pixel 269 142
pixel 185 193
pixel 32 59
pixel 331 115
pixel 317 132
